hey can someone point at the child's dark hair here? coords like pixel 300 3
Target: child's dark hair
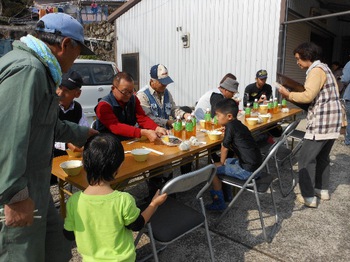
pixel 227 106
pixel 103 154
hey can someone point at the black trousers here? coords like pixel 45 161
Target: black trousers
pixel 314 168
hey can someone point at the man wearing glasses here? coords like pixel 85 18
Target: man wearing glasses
pixel 121 113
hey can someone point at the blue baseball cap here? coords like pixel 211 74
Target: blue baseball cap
pixel 160 73
pixel 64 25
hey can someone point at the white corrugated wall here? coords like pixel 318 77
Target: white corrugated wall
pixel 226 36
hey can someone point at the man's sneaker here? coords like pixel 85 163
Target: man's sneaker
pixel 322 194
pixel 307 201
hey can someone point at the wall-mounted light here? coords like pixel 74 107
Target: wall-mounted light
pixel 185 40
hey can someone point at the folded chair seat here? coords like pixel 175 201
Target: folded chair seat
pixel 180 217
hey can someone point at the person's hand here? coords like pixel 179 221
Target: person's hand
pixel 150 134
pixel 283 91
pixel 161 131
pixel 74 148
pixel 157 199
pixel 19 214
pixel 262 99
pixel 169 123
pixel 186 115
pixel 92 132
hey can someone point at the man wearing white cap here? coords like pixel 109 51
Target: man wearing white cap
pixel 157 101
pixel 29 76
pixel 159 105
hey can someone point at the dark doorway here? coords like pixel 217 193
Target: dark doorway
pixel 345 54
pixel 326 43
pixel 130 64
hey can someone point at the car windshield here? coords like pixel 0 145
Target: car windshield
pixel 95 74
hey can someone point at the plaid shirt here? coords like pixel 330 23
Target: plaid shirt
pixel 324 113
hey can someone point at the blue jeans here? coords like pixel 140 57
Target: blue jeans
pixel 347 135
pixel 232 168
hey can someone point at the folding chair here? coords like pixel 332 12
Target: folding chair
pixel 258 183
pixel 173 219
pixel 297 135
pixel 283 154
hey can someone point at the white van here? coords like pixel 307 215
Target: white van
pixel 97 81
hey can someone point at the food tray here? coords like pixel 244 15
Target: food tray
pixel 171 140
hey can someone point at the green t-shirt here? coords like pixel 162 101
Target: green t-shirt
pixel 99 221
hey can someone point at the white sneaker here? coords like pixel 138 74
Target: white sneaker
pixel 323 194
pixel 307 201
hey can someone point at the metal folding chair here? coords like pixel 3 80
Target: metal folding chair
pixel 297 135
pixel 258 183
pixel 174 219
pixel 283 154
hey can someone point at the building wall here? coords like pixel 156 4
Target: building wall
pixel 239 37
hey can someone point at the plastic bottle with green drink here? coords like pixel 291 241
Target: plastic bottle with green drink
pixel 255 105
pixel 284 103
pixel 194 122
pixel 207 119
pixel 189 127
pixel 247 111
pixel 178 127
pixel 275 105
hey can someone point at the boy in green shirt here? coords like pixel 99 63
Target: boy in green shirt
pixel 99 218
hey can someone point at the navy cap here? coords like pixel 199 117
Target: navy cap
pixel 261 74
pixel 72 80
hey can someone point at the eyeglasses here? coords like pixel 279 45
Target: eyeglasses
pixel 124 92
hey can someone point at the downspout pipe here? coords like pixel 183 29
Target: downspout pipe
pixel 283 35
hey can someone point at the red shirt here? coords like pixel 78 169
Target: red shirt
pixel 105 114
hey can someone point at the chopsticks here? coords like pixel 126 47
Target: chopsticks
pixel 133 141
pixel 2 218
pixel 154 151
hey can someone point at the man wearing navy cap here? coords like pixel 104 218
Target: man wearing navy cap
pixel 70 110
pixel 29 77
pixel 258 90
pixel 157 101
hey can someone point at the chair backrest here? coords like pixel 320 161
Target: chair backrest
pixel 290 128
pixel 187 181
pixel 273 150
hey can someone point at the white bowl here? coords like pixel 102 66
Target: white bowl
pixel 265 117
pixel 140 154
pixel 252 121
pixel 214 135
pixel 72 167
pixel 263 109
